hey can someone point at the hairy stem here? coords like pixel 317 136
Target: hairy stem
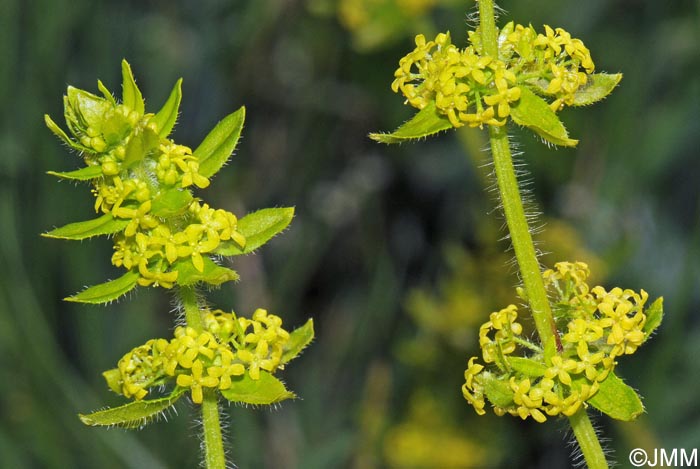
pixel 525 249
pixel 588 440
pixel 213 441
pixel 522 240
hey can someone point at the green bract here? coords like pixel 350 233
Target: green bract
pixel 142 182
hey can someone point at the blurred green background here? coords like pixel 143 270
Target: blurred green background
pixel 394 251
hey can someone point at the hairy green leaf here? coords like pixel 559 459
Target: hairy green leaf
pixel 217 147
pixel 212 273
pixel 598 86
pixel 425 123
pixel 258 228
pixel 655 314
pixel 82 174
pixel 527 366
pixel 615 398
pixel 57 131
pixel 534 113
pixel 131 95
pixel 171 202
pixel 108 291
pixel 165 118
pixel 497 391
pixel 104 225
pixel 87 108
pixel 264 391
pixel 134 414
pixel 298 340
pixel 106 93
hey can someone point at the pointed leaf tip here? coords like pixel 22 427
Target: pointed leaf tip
pixel 219 144
pixel 425 123
pixel 655 314
pixel 134 414
pixel 264 391
pixel 104 225
pixel 598 87
pixel 131 95
pixel 299 339
pixel 533 112
pixel 165 118
pixel 258 228
pixel 615 398
pixel 108 291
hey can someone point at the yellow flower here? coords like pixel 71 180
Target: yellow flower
pixel 196 344
pixel 471 391
pixel 226 369
pixel 195 241
pixel 560 369
pixel 196 381
pixel 257 360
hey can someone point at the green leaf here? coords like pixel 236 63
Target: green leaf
pixel 131 95
pixel 298 340
pixel 258 228
pixel 53 127
pixel 614 398
pixel 533 112
pixel 105 225
pixel 655 314
pixel 212 273
pixel 165 118
pixel 427 122
pixel 108 291
pixel 134 414
pixel 527 366
pixel 217 147
pixel 141 143
pixel 264 391
pixel 497 391
pixel 106 93
pixel 82 174
pixel 171 202
pixel 88 108
pixel 598 86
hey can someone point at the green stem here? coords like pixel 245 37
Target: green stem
pixel 213 441
pixel 522 240
pixel 525 249
pixel 588 440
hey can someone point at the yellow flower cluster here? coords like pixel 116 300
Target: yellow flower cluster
pixel 226 348
pixel 473 89
pixel 145 181
pixel 597 326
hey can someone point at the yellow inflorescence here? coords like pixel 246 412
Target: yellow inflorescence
pixel 473 89
pixel 596 327
pixel 228 347
pixel 152 242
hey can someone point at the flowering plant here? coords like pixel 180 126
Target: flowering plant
pixel 165 236
pixel 517 74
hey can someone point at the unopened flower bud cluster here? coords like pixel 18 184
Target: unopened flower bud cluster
pixel 142 177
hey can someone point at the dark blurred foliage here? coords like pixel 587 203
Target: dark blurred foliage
pixel 394 251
